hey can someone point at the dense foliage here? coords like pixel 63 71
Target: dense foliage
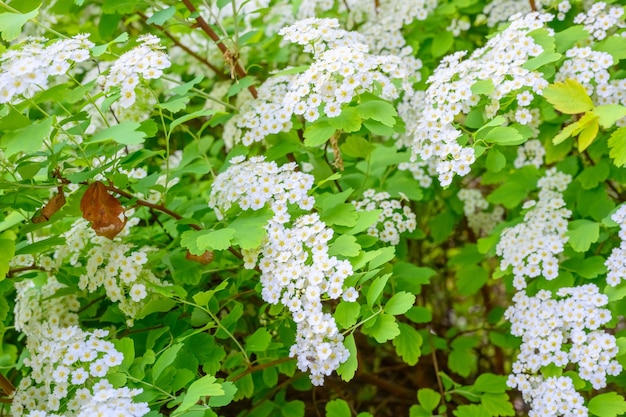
pixel 312 208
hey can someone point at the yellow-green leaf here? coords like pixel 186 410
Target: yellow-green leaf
pixel 568 97
pixel 588 134
pixel 617 146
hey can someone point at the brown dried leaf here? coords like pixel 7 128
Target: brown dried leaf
pixel 50 208
pixel 205 259
pixel 104 211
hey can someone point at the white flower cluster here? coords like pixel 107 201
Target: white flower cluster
pixel 532 246
pixel 68 366
pixel 616 263
pixel 561 331
pixel 146 61
pixel 25 71
pixel 531 152
pixel 296 269
pixel 342 68
pixel 394 219
pixel 457 26
pixel 479 220
pixel 589 67
pixel 497 11
pixel 550 397
pixel 449 94
pixel 253 183
pixel 117 267
pixel 600 19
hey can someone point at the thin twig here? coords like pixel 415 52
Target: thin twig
pixel 228 54
pixel 185 48
pixel 533 6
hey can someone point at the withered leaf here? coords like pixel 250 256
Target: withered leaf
pixel 205 259
pixel 50 208
pixel 104 211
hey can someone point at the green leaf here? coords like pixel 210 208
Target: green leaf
pixel 347 121
pixel 344 245
pixel 483 87
pixel 462 361
pixel 495 160
pixel 356 147
pixel 343 214
pixel 28 139
pixel 472 410
pixel 292 409
pixel 582 233
pixel 384 328
pixel 11 23
pixel 258 341
pixel 504 136
pixel 249 228
pixel 609 404
pixel 400 303
pixel 442 43
pixel 429 399
pixel 161 16
pixel 199 241
pixel 191 116
pixel 347 370
pixel 491 383
pixel 318 133
pixel 608 114
pixel 569 37
pixel 568 97
pixel 470 279
pixel 175 104
pixel 589 132
pixel 239 85
pixel 165 359
pixel 347 313
pixel 7 250
pixel 126 133
pixel 419 314
pixel 617 147
pixel 376 289
pixel 614 45
pixel 203 387
pixel 338 408
pixel 542 59
pixel 408 344
pixel 379 110
pixel 497 404
pixel 593 175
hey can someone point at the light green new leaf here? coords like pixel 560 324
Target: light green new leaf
pixel 175 104
pixel 11 23
pixel 495 160
pixel 7 249
pixel 610 404
pixel 258 341
pixel 318 133
pixel 338 408
pixel 568 97
pixel 582 233
pixel 400 303
pixel 347 313
pixel 495 384
pixel 504 136
pixel 344 245
pixel 28 139
pixel 617 147
pixel 347 370
pixel 483 87
pixel 199 241
pixel 348 121
pixel 544 58
pixel 385 328
pixel 378 110
pixel 608 114
pixel 497 404
pixel 428 398
pixel 161 16
pixel 165 359
pixel 408 344
pixel 356 147
pixel 471 410
pixel 249 228
pixel 203 387
pixel 588 120
pixel 126 133
pixel 376 289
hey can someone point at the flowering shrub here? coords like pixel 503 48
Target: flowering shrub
pixel 313 208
